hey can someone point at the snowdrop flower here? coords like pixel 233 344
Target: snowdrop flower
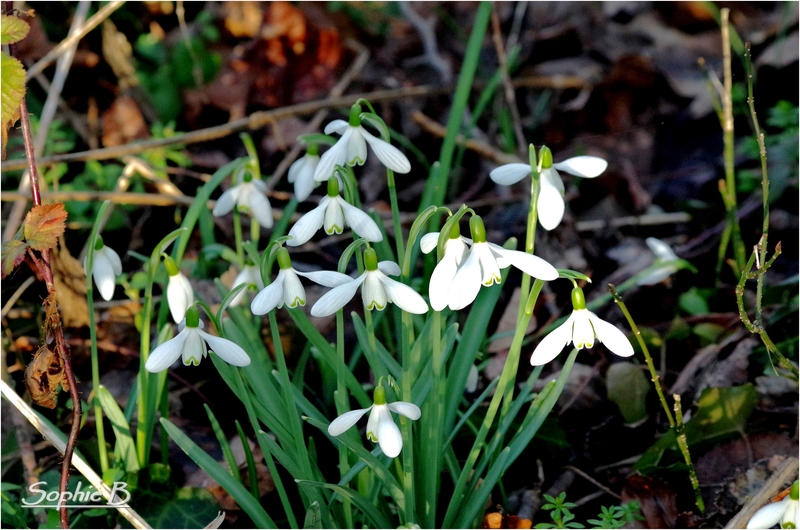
pixel 581 328
pixel 287 289
pixel 784 512
pixel 351 149
pixel 333 213
pixel 455 251
pixel 301 173
pixel 250 275
pixel 179 291
pixel 482 267
pixel 665 265
pixel 106 266
pixel 248 196
pixel 550 205
pixel 381 428
pixel 190 344
pixel 377 291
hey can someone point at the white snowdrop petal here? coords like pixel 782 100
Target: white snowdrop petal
pixel 194 349
pixel 304 182
pixel 442 278
pixel 389 267
pixel 389 437
pixel 661 249
pixel 404 296
pixel 334 216
pixel 269 297
pixel 356 147
pixel 550 208
pixel 551 178
pixel 345 421
pixel 769 515
pixel 428 242
pixel 527 263
pixel 610 335
pixel 373 292
pixel 361 223
pixel 336 126
pixel 113 258
pixel 490 269
pixel 335 156
pixel 103 274
pixel 260 209
pixel 466 283
pixel 179 296
pixel 326 278
pixel 587 167
pixel 552 344
pixel 657 275
pixel 228 351
pixel 409 410
pixel 389 155
pixel 583 333
pixel 336 298
pixel 167 353
pixel 305 228
pixel 293 292
pixel 509 174
pixel 226 201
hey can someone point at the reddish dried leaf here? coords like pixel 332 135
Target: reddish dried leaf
pixel 43 376
pixel 13 254
pixel 43 225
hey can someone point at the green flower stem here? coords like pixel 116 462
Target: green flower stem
pixel 680 436
pixel 430 468
pixel 342 406
pixel 398 229
pixel 533 218
pixel 237 234
pixel 407 339
pixel 675 422
pixel 98 411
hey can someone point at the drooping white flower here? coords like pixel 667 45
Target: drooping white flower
pixel 249 275
pixel 106 266
pixel 248 195
pixel 381 428
pixel 333 213
pixel 665 265
pixel 482 267
pixel 180 295
pixel 301 173
pixel 455 251
pixel 287 289
pixel 351 149
pixel 786 512
pixel 581 328
pixel 190 344
pixel 377 290
pixel 550 205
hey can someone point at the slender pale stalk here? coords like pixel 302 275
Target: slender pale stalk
pixel 237 234
pixel 342 406
pixel 398 229
pixel 680 436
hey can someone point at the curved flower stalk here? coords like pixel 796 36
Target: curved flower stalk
pixel 786 512
pixel 581 328
pixel 249 275
pixel 190 345
pixel 301 173
pixel 381 428
pixel 482 267
pixel 333 213
pixel 455 250
pixel 248 195
pixel 377 290
pixel 287 289
pixel 180 295
pixel 550 205
pixel 105 269
pixel 351 148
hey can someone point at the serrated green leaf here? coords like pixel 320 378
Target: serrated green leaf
pixel 12 90
pixel 13 254
pixel 43 225
pixel 12 29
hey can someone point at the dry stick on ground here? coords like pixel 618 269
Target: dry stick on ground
pixel 785 474
pixel 511 97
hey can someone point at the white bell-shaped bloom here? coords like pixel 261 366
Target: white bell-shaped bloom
pixel 351 148
pixel 106 266
pixel 455 250
pixel 581 328
pixel 190 345
pixel 180 295
pixel 301 173
pixel 333 213
pixel 665 265
pixel 483 264
pixel 550 205
pixel 785 512
pixel 248 195
pixel 287 289
pixel 377 290
pixel 381 428
pixel 249 275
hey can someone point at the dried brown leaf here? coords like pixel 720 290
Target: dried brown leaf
pixel 44 224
